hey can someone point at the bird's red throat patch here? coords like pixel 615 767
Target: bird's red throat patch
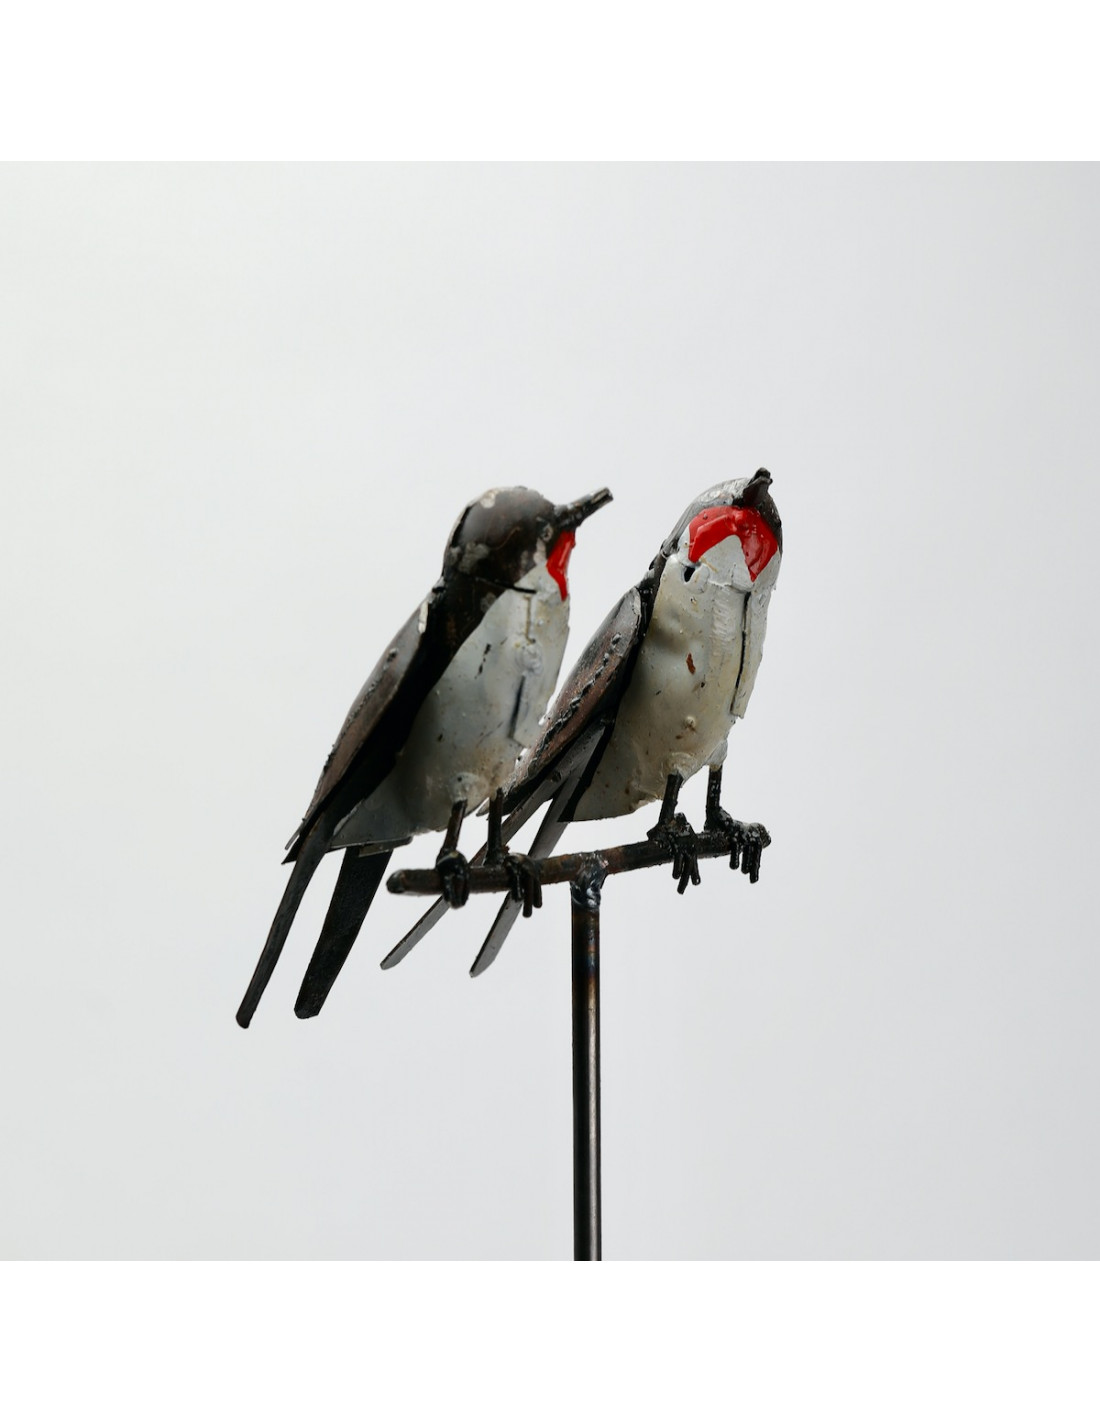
pixel 758 542
pixel 557 565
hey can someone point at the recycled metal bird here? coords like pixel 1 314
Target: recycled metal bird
pixel 438 726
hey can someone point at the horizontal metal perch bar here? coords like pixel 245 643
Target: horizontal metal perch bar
pixel 564 868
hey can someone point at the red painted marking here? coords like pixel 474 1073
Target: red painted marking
pixel 557 565
pixel 757 540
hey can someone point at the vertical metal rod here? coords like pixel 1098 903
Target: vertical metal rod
pixel 584 893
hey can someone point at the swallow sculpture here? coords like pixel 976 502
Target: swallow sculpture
pixel 437 727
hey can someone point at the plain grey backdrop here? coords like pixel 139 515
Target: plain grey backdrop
pixel 241 408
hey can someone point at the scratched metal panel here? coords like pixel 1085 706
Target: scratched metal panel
pixel 367 710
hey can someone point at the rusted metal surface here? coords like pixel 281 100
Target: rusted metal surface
pixel 564 868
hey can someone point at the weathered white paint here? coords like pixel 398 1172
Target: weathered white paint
pixel 476 720
pixel 693 678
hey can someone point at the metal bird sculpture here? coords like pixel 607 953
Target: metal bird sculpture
pixel 437 727
pixel 654 696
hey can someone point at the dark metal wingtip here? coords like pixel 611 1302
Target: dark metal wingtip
pixel 419 930
pixel 487 955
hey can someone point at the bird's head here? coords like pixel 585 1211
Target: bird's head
pixel 731 534
pixel 508 533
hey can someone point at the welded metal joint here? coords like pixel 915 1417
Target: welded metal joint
pixel 586 887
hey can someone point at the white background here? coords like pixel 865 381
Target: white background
pixel 241 409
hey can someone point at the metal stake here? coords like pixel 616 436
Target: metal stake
pixel 585 873
pixel 584 892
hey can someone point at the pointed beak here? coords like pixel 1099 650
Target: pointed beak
pixel 570 516
pixel 759 482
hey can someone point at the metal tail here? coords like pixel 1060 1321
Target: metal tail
pixel 360 875
pixel 310 855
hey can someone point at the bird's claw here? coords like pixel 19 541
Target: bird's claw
pixel 525 875
pixel 676 837
pixel 454 873
pixel 747 842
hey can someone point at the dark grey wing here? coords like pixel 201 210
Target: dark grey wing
pixel 378 723
pixel 368 709
pixel 589 699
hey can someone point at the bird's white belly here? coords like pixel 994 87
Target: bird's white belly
pixel 474 723
pixel 677 711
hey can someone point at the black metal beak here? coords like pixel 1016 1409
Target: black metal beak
pixel 568 516
pixel 758 484
pixel 756 497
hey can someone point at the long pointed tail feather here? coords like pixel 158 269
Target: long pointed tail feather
pixel 311 853
pixel 360 876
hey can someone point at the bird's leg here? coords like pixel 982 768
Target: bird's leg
pixel 718 821
pixel 747 842
pixel 524 873
pixel 494 842
pixel 673 833
pixel 454 867
pixel 668 804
